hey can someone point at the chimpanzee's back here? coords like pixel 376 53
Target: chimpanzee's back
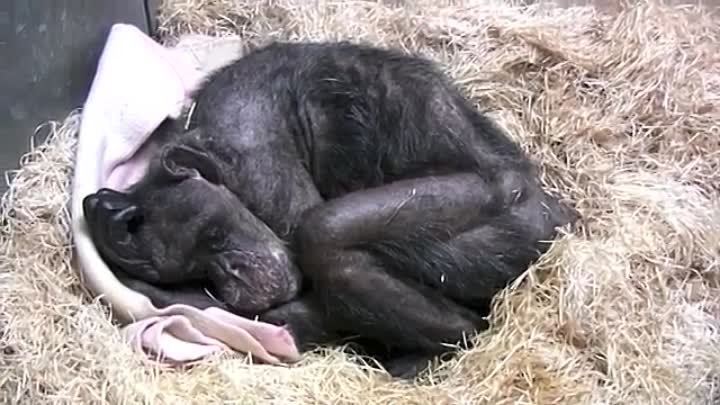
pixel 358 116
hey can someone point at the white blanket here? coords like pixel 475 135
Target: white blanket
pixel 138 84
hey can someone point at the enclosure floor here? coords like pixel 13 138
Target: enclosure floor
pixel 619 111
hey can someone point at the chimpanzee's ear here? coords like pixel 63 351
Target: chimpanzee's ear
pixel 182 161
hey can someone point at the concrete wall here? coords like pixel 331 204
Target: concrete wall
pixel 48 53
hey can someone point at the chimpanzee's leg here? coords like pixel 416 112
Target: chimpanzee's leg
pixel 470 267
pixel 360 297
pixel 358 292
pixel 449 204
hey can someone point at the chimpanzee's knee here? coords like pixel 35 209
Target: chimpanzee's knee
pixel 315 239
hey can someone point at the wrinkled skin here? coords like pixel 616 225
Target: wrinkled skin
pixel 404 207
pixel 192 229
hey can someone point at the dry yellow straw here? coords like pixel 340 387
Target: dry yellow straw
pixel 621 112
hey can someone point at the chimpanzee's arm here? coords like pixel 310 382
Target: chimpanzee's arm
pixel 455 202
pixel 191 294
pixel 275 186
pixel 472 227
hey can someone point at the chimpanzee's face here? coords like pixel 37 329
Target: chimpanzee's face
pixel 181 224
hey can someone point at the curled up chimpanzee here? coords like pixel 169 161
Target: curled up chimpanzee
pixel 341 189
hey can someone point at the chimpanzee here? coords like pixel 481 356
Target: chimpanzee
pixel 339 188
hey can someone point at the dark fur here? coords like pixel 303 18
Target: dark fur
pixel 405 208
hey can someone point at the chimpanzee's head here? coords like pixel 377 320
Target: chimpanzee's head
pixel 179 223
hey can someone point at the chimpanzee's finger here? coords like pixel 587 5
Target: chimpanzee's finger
pixel 100 205
pixel 109 214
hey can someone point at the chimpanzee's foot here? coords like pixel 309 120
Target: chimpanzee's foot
pixel 408 366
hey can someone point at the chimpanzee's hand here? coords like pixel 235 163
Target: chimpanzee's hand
pixel 111 219
pixel 305 321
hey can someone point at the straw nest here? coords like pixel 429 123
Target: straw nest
pixel 621 113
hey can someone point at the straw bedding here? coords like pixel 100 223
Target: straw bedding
pixel 621 113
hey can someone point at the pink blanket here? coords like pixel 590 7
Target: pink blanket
pixel 138 84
